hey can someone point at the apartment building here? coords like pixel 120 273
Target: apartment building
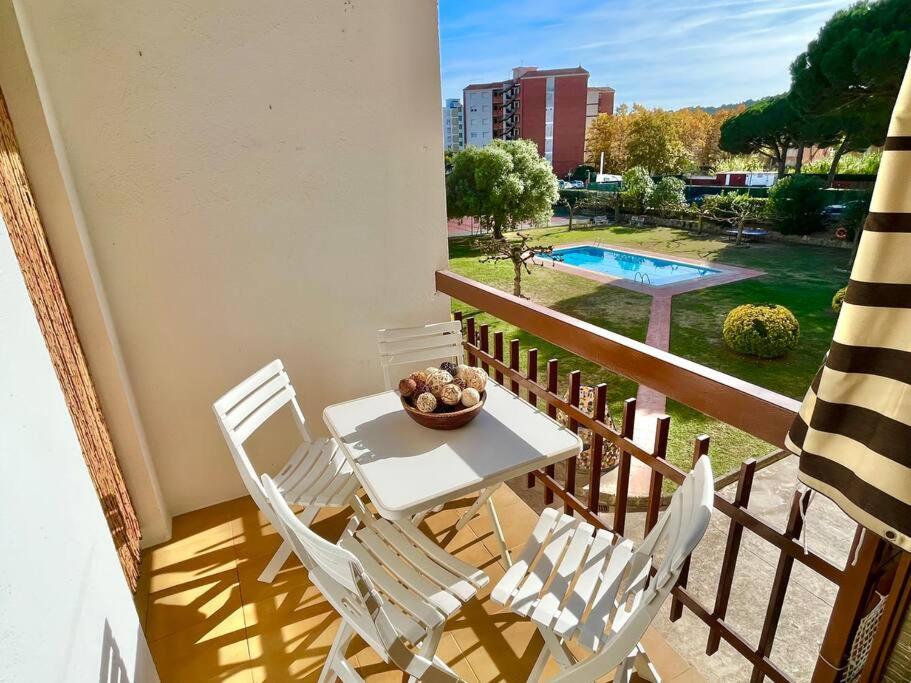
pixel 548 106
pixel 600 100
pixel 453 125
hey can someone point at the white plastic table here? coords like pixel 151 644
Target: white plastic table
pixel 406 468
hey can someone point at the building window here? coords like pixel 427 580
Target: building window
pixel 549 120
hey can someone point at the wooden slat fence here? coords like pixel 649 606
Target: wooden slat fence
pixel 747 407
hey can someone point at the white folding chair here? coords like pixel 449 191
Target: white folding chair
pixel 392 586
pixel 315 476
pixel 405 350
pixel 577 583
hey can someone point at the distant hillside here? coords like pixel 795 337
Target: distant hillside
pixel 712 110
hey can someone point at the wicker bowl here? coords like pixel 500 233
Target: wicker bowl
pixel 451 420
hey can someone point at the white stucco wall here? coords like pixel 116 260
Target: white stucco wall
pixel 66 613
pixel 258 180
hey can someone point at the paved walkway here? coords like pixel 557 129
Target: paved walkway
pixel 652 404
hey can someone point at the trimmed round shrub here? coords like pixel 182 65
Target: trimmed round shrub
pixel 838 299
pixel 763 330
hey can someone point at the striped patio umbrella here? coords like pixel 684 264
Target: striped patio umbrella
pixel 853 431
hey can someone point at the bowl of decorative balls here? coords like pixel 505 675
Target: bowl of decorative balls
pixel 447 397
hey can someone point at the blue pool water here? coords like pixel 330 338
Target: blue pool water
pixel 623 264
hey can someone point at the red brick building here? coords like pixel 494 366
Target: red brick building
pixel 547 106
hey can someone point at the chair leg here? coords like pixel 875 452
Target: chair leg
pixel 558 648
pixel 419 517
pixel 644 666
pixel 537 671
pixel 473 510
pixel 498 532
pixel 339 645
pixel 284 551
pixel 429 647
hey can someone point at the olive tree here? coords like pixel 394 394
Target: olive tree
pixel 503 185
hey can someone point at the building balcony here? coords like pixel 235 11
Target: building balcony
pixel 164 237
pixel 208 618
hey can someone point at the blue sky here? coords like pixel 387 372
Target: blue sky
pixel 660 53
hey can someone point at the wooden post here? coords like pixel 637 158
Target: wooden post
pixel 623 471
pixel 498 354
pixel 473 340
pixel 485 346
pixel 854 594
pixel 575 386
pixel 597 450
pixel 552 384
pixel 656 484
pixel 514 364
pixel 532 373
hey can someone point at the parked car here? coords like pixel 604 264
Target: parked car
pixel 564 185
pixel 833 213
pixel 577 184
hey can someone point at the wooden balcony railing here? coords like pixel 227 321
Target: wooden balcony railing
pixel 750 408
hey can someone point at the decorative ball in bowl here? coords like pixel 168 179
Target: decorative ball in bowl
pixel 447 397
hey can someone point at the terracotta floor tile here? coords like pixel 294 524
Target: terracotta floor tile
pixel 517 524
pixel 210 619
pixel 688 676
pixel 292 643
pixel 666 660
pixel 209 599
pixel 213 650
pixel 200 546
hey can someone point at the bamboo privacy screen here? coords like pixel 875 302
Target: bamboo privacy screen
pixel 53 313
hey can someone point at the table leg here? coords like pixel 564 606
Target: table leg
pixel 498 532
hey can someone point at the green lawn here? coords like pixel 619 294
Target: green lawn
pixel 800 277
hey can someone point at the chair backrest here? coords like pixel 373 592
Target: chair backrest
pixel 245 408
pixel 404 350
pixel 678 531
pixel 344 582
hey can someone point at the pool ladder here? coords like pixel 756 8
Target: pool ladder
pixel 643 278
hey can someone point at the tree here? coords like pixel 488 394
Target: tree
pixel 796 203
pixel 573 200
pixel 664 142
pixel 637 188
pixel 667 194
pixel 503 185
pixel 607 134
pixel 700 132
pixel 858 57
pixel 654 142
pixel 767 128
pixel 849 76
pixel 735 209
pixel 518 251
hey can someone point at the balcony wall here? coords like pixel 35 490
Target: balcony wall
pixel 66 610
pixel 238 201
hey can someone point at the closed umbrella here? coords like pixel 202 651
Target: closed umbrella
pixel 853 430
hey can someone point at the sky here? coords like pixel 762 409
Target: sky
pixel 660 53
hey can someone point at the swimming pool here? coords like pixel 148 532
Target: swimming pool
pixel 630 266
